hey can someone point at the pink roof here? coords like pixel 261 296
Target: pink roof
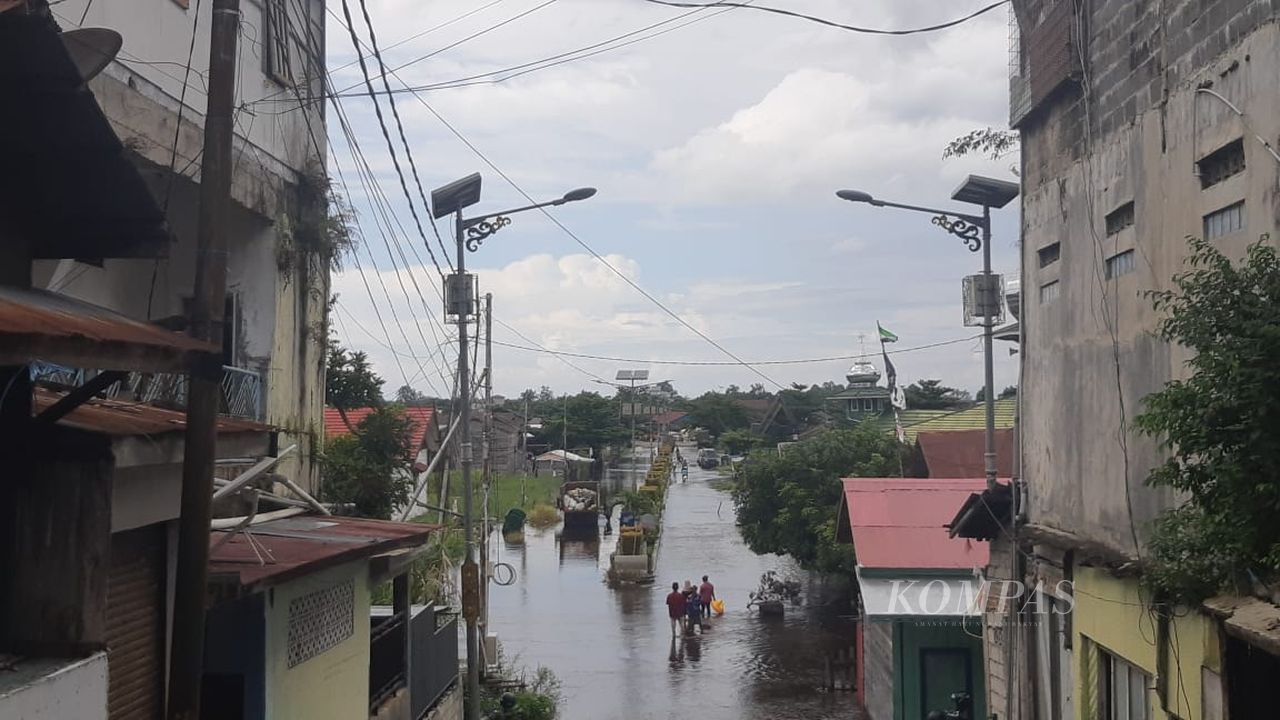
pixel 420 419
pixel 901 523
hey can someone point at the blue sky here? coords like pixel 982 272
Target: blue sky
pixel 717 149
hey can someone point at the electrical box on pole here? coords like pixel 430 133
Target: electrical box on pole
pixel 459 297
pixel 983 296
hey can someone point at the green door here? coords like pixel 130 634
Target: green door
pixel 944 671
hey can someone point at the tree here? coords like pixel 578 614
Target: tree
pixel 370 468
pixel 739 442
pixel 718 413
pixel 991 142
pixel 409 397
pixel 1009 392
pixel 1220 426
pixel 350 382
pixel 933 395
pixel 592 422
pixel 787 504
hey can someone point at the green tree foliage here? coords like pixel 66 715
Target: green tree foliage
pixel 788 503
pixel 349 381
pixel 933 395
pixel 370 469
pixel 593 422
pixel 991 142
pixel 1221 424
pixel 739 442
pixel 408 396
pixel 1009 392
pixel 718 412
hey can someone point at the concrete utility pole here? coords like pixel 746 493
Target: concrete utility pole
pixel 204 383
pixel 486 464
pixel 470 571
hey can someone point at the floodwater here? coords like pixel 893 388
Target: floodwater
pixel 611 646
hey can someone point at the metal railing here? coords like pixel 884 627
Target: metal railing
pixel 434 638
pixel 242 390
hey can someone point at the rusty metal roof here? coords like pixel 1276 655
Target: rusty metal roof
pixel 307 544
pixel 124 419
pixel 960 453
pixel 901 523
pixel 41 325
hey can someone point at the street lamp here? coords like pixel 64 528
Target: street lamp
pixel 460 304
pixel 987 193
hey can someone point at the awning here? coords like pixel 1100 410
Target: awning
pixel 920 596
pixel 41 325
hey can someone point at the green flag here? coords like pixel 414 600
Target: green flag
pixel 885 335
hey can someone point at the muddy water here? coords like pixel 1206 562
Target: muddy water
pixel 612 646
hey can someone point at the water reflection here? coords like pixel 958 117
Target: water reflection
pixel 608 644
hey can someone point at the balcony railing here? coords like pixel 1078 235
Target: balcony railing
pixel 242 390
pixel 433 649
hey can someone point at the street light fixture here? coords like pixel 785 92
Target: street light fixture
pixel 975 231
pixel 460 304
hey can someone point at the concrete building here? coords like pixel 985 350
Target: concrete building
pixel 1141 124
pixel 280 243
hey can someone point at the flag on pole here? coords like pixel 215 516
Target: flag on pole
pixel 897 426
pixel 885 335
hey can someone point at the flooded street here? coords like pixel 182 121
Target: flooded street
pixel 612 647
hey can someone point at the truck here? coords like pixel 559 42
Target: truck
pixel 708 458
pixel 580 502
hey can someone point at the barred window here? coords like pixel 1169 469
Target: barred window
pixel 1120 218
pixel 320 620
pixel 1223 222
pixel 1050 292
pixel 1120 264
pixel 275 48
pixel 1221 164
pixel 1049 254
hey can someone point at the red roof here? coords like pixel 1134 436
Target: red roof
pixel 669 417
pixel 959 453
pixel 306 544
pixel 421 420
pixel 900 523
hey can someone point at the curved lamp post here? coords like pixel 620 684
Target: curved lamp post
pixel 460 302
pixel 975 231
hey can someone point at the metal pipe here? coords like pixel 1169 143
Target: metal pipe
pixel 989 456
pixel 260 467
pixel 426 474
pixel 204 386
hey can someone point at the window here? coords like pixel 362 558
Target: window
pixel 1049 254
pixel 1124 689
pixel 1223 222
pixel 1221 164
pixel 1050 292
pixel 868 405
pixel 1121 264
pixel 275 50
pixel 1120 218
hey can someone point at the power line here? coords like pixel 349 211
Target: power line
pixel 718 363
pixel 395 160
pixel 395 112
pixel 832 23
pixel 541 348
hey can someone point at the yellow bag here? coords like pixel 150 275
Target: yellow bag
pixel 717 606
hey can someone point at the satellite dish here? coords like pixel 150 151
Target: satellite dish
pixel 92 49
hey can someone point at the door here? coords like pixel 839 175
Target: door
pixel 944 672
pixel 135 624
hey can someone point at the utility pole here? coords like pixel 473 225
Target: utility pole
pixel 203 383
pixel 487 463
pixel 470 571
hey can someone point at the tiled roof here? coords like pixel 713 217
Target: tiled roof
pixel 420 422
pixel 669 417
pixel 901 523
pixel 960 453
pixel 972 418
pixel 861 392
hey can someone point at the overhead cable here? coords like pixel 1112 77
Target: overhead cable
pixel 831 23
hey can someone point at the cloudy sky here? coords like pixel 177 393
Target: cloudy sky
pixel 717 147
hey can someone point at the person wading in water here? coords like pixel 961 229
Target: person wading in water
pixel 676 609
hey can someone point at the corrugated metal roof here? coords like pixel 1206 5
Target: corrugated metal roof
pixel 124 419
pixel 960 453
pixel 420 422
pixel 306 544
pixel 900 523
pixel 41 325
pixel 973 418
pixel 669 417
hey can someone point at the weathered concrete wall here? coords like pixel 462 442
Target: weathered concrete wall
pixel 56 689
pixel 1089 356
pixel 878 657
pixel 449 707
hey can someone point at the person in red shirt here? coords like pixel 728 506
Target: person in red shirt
pixel 706 593
pixel 676 609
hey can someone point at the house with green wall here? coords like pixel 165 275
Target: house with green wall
pixel 919 639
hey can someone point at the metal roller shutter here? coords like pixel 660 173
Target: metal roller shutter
pixel 135 624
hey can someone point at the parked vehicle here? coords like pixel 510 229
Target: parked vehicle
pixel 708 458
pixel 771 596
pixel 580 502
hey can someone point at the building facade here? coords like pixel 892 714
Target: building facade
pixel 1141 124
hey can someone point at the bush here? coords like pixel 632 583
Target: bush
pixel 543 516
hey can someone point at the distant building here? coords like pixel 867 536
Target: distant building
pixel 864 397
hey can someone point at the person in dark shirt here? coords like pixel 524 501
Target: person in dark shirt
pixel 707 593
pixel 693 610
pixel 676 609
